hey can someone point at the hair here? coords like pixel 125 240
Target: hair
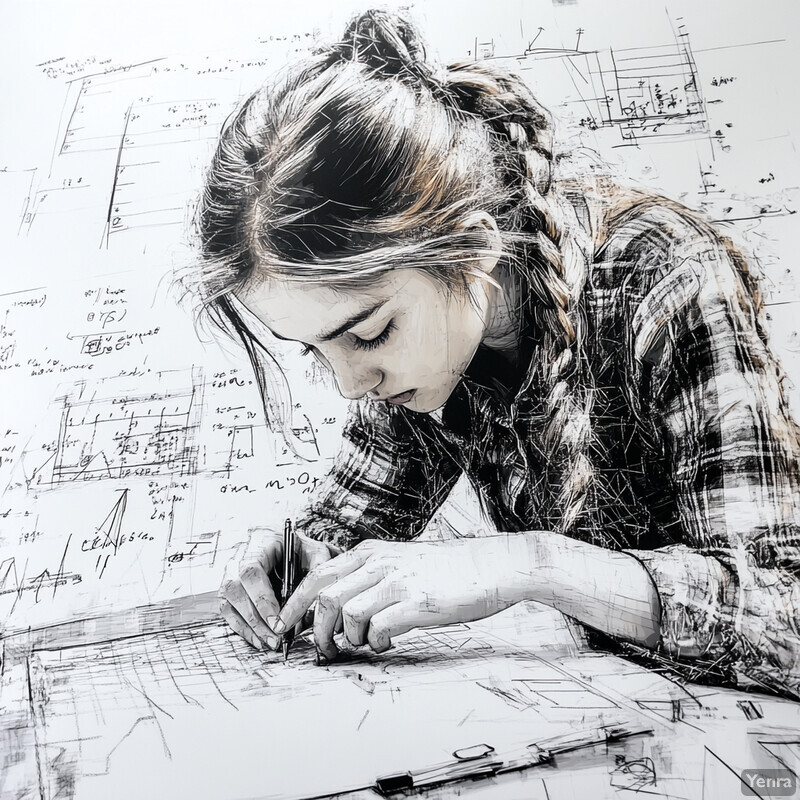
pixel 368 156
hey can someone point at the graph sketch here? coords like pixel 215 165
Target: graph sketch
pixel 120 436
pixel 399 401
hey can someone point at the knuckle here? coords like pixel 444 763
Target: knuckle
pixel 353 614
pixel 327 600
pixel 249 571
pixel 262 538
pixel 251 619
pixel 228 589
pixel 397 586
pixel 263 600
pixel 316 574
pixel 376 565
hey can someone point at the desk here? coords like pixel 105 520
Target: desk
pixel 163 701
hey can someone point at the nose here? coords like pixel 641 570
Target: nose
pixel 354 380
pixel 355 387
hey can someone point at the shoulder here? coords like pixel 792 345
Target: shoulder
pixel 652 238
pixel 660 260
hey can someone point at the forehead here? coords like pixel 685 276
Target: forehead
pixel 301 309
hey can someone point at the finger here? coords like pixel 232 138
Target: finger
pixel 256 583
pixel 314 582
pixel 238 625
pixel 311 553
pixel 235 594
pixel 305 623
pixel 265 547
pixel 397 619
pixel 331 601
pixel 358 612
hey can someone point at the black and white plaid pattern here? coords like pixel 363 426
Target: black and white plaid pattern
pixel 696 461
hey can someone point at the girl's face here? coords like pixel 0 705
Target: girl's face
pixel 403 340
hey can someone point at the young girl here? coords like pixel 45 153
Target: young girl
pixel 592 357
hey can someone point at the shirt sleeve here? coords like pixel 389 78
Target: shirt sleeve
pixel 389 477
pixel 710 393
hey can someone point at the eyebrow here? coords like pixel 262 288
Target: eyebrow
pixel 353 321
pixel 346 325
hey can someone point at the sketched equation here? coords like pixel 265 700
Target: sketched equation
pixel 105 435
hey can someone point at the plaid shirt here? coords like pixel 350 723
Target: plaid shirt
pixel 696 461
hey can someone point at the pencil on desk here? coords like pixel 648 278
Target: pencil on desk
pixel 482 761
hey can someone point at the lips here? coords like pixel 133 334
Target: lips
pixel 399 399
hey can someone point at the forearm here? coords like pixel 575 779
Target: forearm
pixel 606 590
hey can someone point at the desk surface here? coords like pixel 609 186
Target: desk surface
pixel 163 701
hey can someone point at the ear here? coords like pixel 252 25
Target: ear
pixel 483 222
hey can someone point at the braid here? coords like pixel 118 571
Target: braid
pixel 555 263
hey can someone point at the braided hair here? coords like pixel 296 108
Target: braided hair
pixel 554 261
pixel 368 156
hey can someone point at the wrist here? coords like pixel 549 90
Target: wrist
pixel 544 565
pixel 605 589
pixel 519 574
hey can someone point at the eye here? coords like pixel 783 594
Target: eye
pixel 371 344
pixel 306 350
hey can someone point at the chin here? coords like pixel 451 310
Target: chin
pixel 418 406
pixel 425 402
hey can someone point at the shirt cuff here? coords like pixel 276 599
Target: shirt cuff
pixel 698 600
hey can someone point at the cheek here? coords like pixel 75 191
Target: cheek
pixel 413 343
pixel 462 331
pixel 437 337
pixel 430 324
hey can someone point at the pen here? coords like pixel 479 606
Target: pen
pixel 482 761
pixel 288 579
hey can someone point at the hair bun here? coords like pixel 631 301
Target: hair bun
pixel 388 43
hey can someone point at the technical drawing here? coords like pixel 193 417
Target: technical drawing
pixel 106 436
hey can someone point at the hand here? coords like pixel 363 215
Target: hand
pixel 381 589
pixel 248 600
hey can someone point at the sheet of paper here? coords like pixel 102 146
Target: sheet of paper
pixel 201 696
